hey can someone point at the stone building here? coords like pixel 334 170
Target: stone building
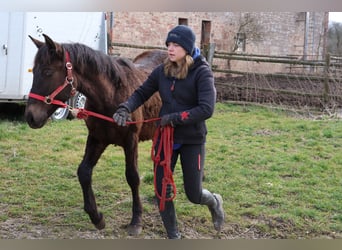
pixel 299 34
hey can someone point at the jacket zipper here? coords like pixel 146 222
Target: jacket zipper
pixel 172 89
pixel 173 85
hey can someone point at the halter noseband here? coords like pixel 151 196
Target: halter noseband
pixel 69 79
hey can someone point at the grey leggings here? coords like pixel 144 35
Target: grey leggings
pixel 192 158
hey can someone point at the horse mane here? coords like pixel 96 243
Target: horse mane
pixel 90 63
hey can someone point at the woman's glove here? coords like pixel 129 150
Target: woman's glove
pixel 168 119
pixel 174 119
pixel 122 115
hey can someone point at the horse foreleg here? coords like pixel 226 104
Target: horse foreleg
pixel 133 180
pixel 93 151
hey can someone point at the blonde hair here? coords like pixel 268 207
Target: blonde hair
pixel 179 71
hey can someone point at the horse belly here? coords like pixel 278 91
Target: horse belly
pixel 151 110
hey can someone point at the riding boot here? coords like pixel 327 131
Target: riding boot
pixel 214 203
pixel 170 221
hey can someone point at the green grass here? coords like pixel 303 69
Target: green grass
pixel 279 175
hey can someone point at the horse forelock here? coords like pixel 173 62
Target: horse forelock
pixel 44 56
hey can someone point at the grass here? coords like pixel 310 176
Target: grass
pixel 279 174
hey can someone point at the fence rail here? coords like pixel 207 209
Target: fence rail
pixel 308 82
pixel 330 64
pixel 300 82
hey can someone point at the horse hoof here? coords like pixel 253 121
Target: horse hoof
pixel 101 225
pixel 134 230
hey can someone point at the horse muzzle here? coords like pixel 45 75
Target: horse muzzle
pixel 35 117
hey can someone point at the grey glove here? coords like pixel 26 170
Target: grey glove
pixel 121 116
pixel 168 119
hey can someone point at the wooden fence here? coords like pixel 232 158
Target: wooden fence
pixel 315 83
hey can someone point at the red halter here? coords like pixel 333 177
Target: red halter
pixel 69 79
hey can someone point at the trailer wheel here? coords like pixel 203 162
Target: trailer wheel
pixel 60 113
pixel 78 101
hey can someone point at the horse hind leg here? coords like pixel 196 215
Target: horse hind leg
pixel 93 151
pixel 133 180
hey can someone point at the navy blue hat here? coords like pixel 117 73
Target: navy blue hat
pixel 184 36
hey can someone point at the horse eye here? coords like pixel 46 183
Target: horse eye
pixel 47 72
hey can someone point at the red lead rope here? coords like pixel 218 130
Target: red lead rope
pixel 165 137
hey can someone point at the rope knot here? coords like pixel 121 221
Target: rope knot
pixel 82 114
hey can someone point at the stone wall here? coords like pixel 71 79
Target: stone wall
pixel 269 33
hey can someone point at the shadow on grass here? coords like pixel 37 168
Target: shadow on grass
pixel 12 111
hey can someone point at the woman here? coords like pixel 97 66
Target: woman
pixel 186 86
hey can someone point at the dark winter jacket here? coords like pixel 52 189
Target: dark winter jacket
pixel 188 101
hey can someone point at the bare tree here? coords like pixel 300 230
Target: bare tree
pixel 248 30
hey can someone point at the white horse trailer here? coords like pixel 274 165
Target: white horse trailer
pixel 17 51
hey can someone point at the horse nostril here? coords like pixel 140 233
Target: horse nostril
pixel 33 119
pixel 29 117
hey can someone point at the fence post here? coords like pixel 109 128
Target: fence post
pixel 326 79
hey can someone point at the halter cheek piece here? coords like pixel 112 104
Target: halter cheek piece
pixel 69 79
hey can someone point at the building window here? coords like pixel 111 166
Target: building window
pixel 182 21
pixel 205 33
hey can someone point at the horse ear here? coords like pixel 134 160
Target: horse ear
pixel 57 48
pixel 36 42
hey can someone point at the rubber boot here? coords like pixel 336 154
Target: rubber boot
pixel 170 221
pixel 214 203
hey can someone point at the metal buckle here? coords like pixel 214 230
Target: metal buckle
pixel 70 81
pixel 48 100
pixel 68 65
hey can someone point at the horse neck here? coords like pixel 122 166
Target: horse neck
pixel 95 86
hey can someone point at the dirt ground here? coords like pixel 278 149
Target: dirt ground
pixel 196 228
pixel 16 228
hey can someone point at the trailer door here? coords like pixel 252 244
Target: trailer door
pixel 4 19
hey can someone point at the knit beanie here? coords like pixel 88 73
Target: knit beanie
pixel 184 36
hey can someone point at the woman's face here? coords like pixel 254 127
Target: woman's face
pixel 175 52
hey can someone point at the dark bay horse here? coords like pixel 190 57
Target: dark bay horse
pixel 59 70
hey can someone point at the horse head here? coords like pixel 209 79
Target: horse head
pixel 52 82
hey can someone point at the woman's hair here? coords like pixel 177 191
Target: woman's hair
pixel 172 69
